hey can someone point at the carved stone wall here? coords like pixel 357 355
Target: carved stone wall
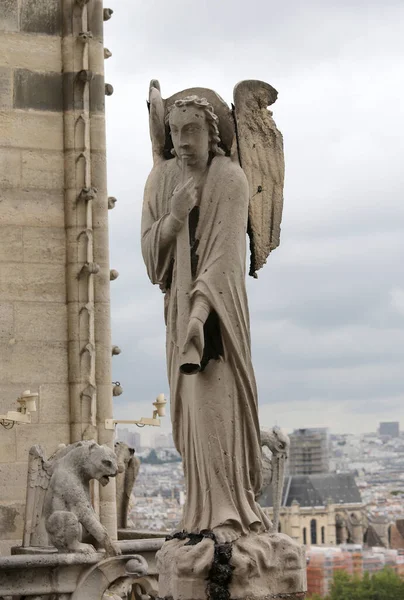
pixel 54 266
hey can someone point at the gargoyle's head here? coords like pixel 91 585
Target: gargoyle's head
pixel 102 463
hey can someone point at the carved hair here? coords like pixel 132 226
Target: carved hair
pixel 211 118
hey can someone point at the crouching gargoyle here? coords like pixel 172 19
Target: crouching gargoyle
pixel 58 497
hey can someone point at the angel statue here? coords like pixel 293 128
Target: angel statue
pixel 217 174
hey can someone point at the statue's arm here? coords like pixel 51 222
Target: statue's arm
pixel 160 231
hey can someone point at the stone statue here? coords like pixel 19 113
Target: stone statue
pixel 58 496
pixel 128 467
pixel 273 466
pixel 199 203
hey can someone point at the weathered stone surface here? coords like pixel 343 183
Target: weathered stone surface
pixel 50 438
pixel 11 244
pixel 37 91
pixel 73 94
pixel 102 290
pixel 40 321
pixel 5 88
pixel 11 520
pixel 34 207
pixel 32 129
pixel 9 393
pixel 95 17
pixel 38 362
pixel 97 129
pixel 6 322
pixel 8 448
pixel 25 51
pixel 99 175
pixel 13 481
pixel 42 169
pixel 10 168
pixel 103 320
pixel 54 403
pixel 73 55
pixel 6 545
pixel 41 16
pixel 34 281
pixel 260 565
pixel 44 245
pixel 9 15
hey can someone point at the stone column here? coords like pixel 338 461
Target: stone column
pixel 86 208
pixel 331 536
pixel 33 310
pixel 295 522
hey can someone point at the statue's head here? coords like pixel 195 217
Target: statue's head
pixel 194 129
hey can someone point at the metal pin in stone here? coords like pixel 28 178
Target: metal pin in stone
pixel 107 14
pixel 113 274
pixel 115 350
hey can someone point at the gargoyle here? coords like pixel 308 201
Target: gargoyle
pixel 58 496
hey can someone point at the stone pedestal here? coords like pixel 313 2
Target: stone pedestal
pixel 258 566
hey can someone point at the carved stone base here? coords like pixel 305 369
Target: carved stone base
pixel 256 567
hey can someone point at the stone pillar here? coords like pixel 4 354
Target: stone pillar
pixel 54 272
pixel 87 232
pixel 33 310
pixel 331 535
pixel 295 528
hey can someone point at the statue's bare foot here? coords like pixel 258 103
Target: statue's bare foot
pixel 225 534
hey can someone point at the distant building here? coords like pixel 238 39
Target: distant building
pixel 161 440
pixel 309 451
pixel 132 438
pixel 320 509
pixel 390 429
pixel 135 440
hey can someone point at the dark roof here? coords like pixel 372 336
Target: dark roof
pixel 316 490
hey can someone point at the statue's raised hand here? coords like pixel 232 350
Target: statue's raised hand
pixel 183 200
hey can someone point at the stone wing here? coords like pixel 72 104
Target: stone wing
pixel 156 121
pixel 260 152
pixel 39 474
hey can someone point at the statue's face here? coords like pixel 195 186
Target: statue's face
pixel 190 134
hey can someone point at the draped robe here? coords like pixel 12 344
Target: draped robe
pixel 214 412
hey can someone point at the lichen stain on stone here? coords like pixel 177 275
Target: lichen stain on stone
pixel 8 516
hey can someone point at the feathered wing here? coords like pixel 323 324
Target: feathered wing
pixel 156 121
pixel 39 474
pixel 260 152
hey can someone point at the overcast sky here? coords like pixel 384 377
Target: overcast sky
pixel 327 312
